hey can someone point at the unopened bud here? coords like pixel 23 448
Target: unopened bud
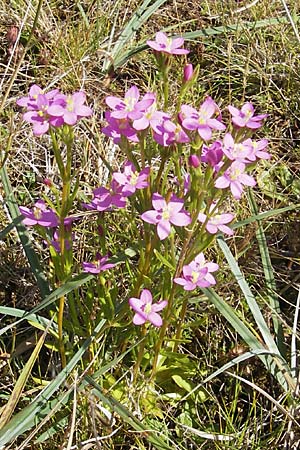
pixel 47 182
pixel 194 161
pixel 188 72
pixel 12 34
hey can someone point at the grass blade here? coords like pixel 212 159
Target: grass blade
pixel 269 277
pixel 256 312
pixel 20 383
pixel 275 364
pixel 140 16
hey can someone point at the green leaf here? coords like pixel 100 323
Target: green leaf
pixel 182 383
pixel 37 321
pixel 163 260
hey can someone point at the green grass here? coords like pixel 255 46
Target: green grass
pixel 222 387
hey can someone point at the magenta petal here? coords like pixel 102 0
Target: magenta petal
pixel 155 319
pixel 205 132
pixel 146 296
pixel 158 202
pixel 181 219
pixel 113 102
pixel 150 216
pixel 163 229
pixel 159 306
pixel 138 319
pixel 135 303
pixel 222 182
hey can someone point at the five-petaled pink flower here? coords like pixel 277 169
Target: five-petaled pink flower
pixel 237 151
pixel 72 107
pixel 258 148
pixel 170 46
pixel 104 199
pixel 146 310
pixel 99 265
pixel 216 222
pixel 130 107
pixel 245 116
pixel 197 274
pixel 39 215
pixel 235 177
pixel 201 120
pixel 166 213
pixel 130 179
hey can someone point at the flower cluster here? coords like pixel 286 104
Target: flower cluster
pixel 203 161
pixel 53 109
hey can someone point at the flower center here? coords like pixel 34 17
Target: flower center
pixel 134 178
pixel 70 104
pixel 129 103
pixel 235 173
pixel 195 276
pixel 166 214
pixel 37 213
pixel 147 308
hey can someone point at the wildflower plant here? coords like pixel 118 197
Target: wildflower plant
pixel 174 187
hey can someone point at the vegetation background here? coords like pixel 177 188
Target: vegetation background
pixel 247 51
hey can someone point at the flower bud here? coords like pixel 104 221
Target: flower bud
pixel 48 182
pixel 188 72
pixel 194 161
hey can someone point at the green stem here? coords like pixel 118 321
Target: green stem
pixel 60 332
pixel 140 354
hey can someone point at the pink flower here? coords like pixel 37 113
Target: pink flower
pixel 145 310
pixel 30 101
pixel 170 46
pixel 167 133
pixel 197 274
pixel 257 149
pixel 235 177
pixel 241 151
pixel 202 120
pixel 216 222
pixel 131 180
pixel 245 117
pixel 99 265
pixel 104 199
pixel 117 128
pixel 164 214
pixel 39 215
pixel 43 115
pixel 72 108
pixel 129 107
pixel 151 116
